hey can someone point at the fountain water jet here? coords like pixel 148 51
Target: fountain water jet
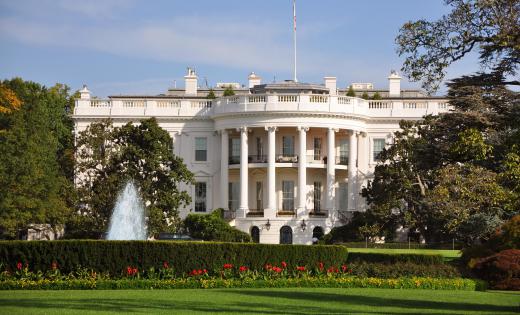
pixel 127 221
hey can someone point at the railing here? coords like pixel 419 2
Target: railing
pixel 287 98
pixel 286 158
pixel 133 103
pixel 169 104
pixel 234 160
pixel 286 212
pixel 342 160
pixel 256 99
pixel 100 103
pixel 315 159
pixel 319 213
pixel 318 98
pixel 255 213
pixel 379 104
pixel 415 105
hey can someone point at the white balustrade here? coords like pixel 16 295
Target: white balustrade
pixel 287 98
pixel 318 99
pixel 379 104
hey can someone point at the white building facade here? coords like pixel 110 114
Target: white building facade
pixel 287 161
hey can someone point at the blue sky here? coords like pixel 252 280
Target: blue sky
pixel 141 47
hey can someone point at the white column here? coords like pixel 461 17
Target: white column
pixel 244 202
pixel 271 172
pixel 352 170
pixel 224 172
pixel 302 171
pixel 331 169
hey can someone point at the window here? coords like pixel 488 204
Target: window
pixel 343 196
pixel 317 197
pixel 259 203
pixel 259 148
pixel 379 145
pixel 343 151
pixel 201 149
pixel 286 235
pixel 288 146
pixel 234 151
pixel 255 234
pixel 317 234
pixel 287 195
pixel 233 196
pixel 200 197
pixel 317 149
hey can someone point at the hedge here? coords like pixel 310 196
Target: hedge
pixel 420 259
pixel 403 245
pixel 406 269
pixel 114 256
pixel 206 283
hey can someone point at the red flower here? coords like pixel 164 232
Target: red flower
pixel 129 271
pixel 243 268
pixel 228 266
pixel 268 267
pixel 344 268
pixel 204 271
pixel 19 266
pixel 284 264
pixel 165 265
pixel 277 269
pixel 320 265
pixel 331 269
pixel 300 268
pixel 134 271
pixel 54 265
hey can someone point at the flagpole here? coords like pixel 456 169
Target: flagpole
pixel 294 38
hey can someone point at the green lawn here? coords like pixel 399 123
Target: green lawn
pixel 447 253
pixel 260 301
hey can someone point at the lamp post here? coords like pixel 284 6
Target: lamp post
pixel 268 225
pixel 303 225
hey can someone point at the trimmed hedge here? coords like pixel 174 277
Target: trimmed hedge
pixel 420 259
pixel 406 269
pixel 114 256
pixel 402 245
pixel 207 283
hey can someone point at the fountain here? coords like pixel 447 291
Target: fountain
pixel 127 221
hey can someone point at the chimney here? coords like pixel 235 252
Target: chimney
pixel 190 82
pixel 84 93
pixel 254 80
pixel 394 84
pixel 330 83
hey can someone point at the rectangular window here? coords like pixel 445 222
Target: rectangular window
pixel 343 151
pixel 234 151
pixel 343 196
pixel 287 195
pixel 200 197
pixel 288 146
pixel 201 149
pixel 317 149
pixel 317 197
pixel 259 148
pixel 259 193
pixel 233 196
pixel 379 145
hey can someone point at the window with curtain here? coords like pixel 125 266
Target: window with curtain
pixel 379 145
pixel 201 149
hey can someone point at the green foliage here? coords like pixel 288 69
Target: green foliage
pixel 419 259
pixel 376 96
pixel 229 91
pixel 471 146
pixel 190 283
pixel 114 256
pixel 403 269
pixel 109 156
pixel 351 91
pixel 502 269
pixel 36 159
pixel 211 95
pixel 348 232
pixel 211 227
pixel 402 245
pixel 365 96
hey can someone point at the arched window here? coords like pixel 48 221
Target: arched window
pixel 255 234
pixel 286 235
pixel 317 234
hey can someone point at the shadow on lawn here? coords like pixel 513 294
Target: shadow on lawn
pixel 249 302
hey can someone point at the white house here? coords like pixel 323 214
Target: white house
pixel 285 160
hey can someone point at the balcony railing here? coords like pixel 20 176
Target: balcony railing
pixel 341 160
pixel 257 158
pixel 316 159
pixel 286 212
pixel 319 213
pixel 255 213
pixel 286 158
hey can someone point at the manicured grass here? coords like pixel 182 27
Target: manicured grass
pixel 260 301
pixel 447 253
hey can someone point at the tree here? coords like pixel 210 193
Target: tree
pixel 36 184
pixel 229 91
pixel 211 227
pixel 365 96
pixel 351 92
pixel 211 95
pixel 376 96
pixel 491 27
pixel 8 100
pixel 110 156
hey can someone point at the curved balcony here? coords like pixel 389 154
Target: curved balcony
pixel 290 103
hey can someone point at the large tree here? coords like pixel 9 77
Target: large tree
pixel 35 175
pixel 110 156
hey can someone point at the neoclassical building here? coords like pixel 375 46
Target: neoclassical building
pixel 286 160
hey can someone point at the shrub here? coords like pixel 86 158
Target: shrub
pixel 419 259
pixel 502 270
pixel 403 269
pixel 211 227
pixel 403 245
pixel 114 256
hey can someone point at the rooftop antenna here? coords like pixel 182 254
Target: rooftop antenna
pixel 206 82
pixel 174 84
pixel 294 38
